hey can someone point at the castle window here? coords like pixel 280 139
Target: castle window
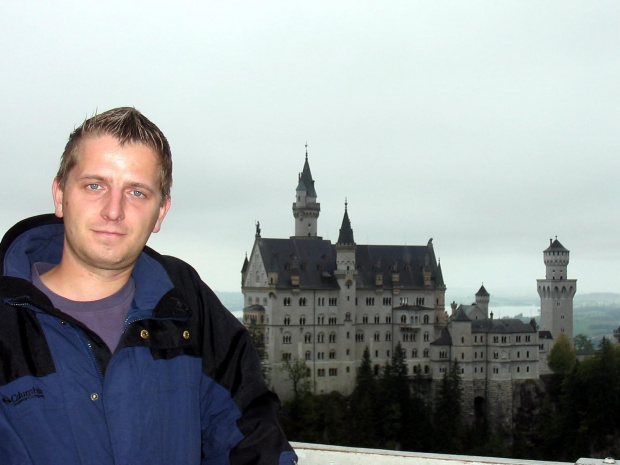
pixel 333 320
pixel 287 301
pixel 302 320
pixel 332 354
pixel 414 353
pixel 332 337
pixel 426 336
pixel 333 372
pixel 347 316
pixel 320 372
pixel 387 301
pixel 370 301
pixel 388 336
pixel 388 354
pixel 365 319
pixel 308 338
pixel 287 320
pixel 286 356
pixel 527 338
pixel 426 319
pixel 388 319
pixel 377 319
pixel 320 338
pixel 359 336
pixel 320 320
pixel 425 353
pixel 377 336
pixel 308 355
pixel 333 301
pixel 404 300
pixel 403 319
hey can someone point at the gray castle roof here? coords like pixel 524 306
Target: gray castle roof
pixel 482 292
pixel 445 339
pixel 315 263
pixel 306 183
pixel 554 245
pixel 504 325
pixel 346 233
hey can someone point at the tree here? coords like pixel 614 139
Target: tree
pixel 297 372
pixel 365 406
pixel 448 410
pixel 582 343
pixel 561 358
pixel 258 338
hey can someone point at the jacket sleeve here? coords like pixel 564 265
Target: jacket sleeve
pixel 230 359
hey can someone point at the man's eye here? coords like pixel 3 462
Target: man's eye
pixel 137 194
pixel 93 186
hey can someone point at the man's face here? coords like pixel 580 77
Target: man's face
pixel 111 202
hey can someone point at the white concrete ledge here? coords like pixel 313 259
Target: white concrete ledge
pixel 318 454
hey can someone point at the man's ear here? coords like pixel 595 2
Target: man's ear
pixel 57 196
pixel 163 209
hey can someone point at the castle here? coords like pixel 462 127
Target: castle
pixel 325 303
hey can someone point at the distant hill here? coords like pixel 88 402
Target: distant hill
pixel 596 298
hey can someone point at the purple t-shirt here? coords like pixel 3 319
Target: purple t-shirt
pixel 106 317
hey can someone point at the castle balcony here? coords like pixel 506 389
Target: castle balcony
pixel 319 454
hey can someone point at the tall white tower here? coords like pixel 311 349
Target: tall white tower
pixel 306 210
pixel 556 292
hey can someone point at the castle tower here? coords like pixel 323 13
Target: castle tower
pixel 556 292
pixel 482 300
pixel 346 274
pixel 305 208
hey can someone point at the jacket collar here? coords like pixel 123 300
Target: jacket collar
pixel 41 238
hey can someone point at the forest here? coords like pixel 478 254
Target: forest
pixel 577 413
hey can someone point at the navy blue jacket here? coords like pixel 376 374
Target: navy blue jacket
pixel 183 387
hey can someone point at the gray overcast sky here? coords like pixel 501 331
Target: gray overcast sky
pixel 488 126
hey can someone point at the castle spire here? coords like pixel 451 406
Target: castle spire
pixel 346 233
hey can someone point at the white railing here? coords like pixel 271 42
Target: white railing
pixel 318 454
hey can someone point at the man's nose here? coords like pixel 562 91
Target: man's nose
pixel 113 208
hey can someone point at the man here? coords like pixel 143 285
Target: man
pixel 110 352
